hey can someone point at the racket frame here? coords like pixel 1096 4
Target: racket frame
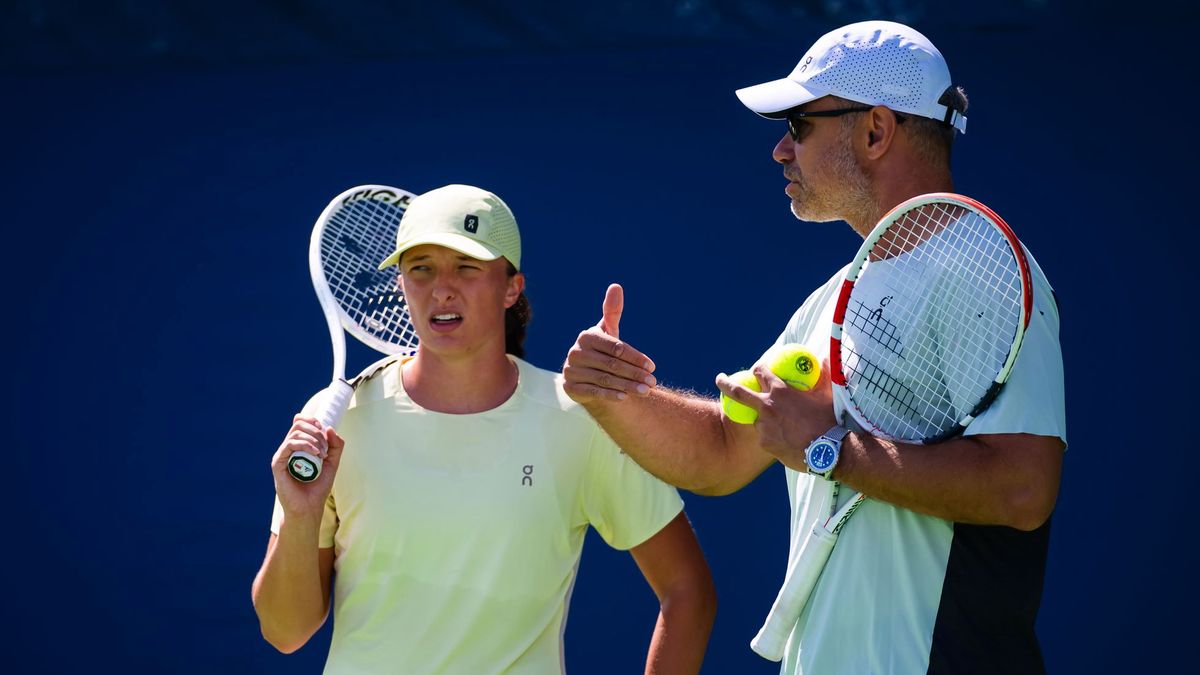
pixel 837 374
pixel 329 404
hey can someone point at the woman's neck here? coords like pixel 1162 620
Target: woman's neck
pixel 469 384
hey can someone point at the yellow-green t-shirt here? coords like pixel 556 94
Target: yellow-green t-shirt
pixel 457 537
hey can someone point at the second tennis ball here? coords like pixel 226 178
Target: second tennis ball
pixel 736 412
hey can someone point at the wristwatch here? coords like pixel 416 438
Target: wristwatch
pixel 822 454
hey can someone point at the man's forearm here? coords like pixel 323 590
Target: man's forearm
pixel 288 592
pixel 1002 479
pixel 683 440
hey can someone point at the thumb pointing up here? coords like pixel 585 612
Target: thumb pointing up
pixel 614 304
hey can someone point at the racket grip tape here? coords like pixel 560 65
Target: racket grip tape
pixel 798 585
pixel 327 406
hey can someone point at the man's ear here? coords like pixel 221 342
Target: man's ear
pixel 881 132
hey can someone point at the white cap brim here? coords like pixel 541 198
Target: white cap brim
pixel 771 99
pixel 463 244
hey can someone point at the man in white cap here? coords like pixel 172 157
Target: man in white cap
pixel 459 485
pixel 944 573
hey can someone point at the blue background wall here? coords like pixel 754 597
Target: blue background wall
pixel 163 164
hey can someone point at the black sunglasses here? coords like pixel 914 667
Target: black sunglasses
pixel 794 118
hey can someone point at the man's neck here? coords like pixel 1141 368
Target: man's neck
pixel 891 190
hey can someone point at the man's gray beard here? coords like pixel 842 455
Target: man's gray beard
pixel 850 201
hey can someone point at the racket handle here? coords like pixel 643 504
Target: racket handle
pixel 801 578
pixel 327 406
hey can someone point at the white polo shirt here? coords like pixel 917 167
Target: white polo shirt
pixel 908 593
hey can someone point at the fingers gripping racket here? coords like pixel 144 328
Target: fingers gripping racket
pixel 353 235
pixel 925 332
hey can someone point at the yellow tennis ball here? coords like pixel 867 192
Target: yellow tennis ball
pixel 737 412
pixel 794 364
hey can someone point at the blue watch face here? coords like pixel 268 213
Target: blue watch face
pixel 821 456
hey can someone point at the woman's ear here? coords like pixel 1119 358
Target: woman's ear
pixel 516 286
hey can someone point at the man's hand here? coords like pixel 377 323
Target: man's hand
pixel 600 367
pixel 788 418
pixel 306 500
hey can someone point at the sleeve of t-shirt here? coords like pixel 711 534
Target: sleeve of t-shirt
pixel 1033 400
pixel 329 522
pixel 622 500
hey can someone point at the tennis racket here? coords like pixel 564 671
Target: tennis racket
pixel 925 332
pixel 353 235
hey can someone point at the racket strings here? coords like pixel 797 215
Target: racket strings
pixel 874 326
pixel 357 238
pixel 946 291
pixel 884 335
pixel 873 381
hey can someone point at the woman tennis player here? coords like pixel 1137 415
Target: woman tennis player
pixel 459 485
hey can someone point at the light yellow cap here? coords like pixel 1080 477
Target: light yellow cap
pixel 467 219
